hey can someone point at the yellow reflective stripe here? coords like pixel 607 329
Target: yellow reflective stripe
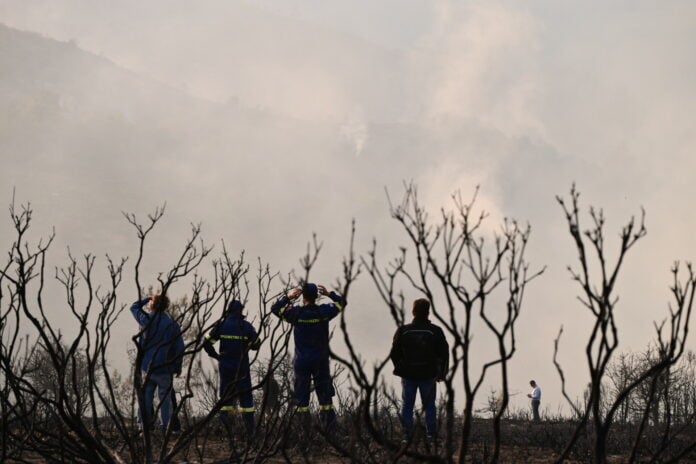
pixel 252 409
pixel 310 321
pixel 326 407
pixel 339 306
pixel 303 409
pixel 210 338
pixel 228 408
pixel 282 311
pixel 234 337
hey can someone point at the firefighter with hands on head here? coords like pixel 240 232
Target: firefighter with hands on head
pixel 237 336
pixel 310 322
pixel 162 348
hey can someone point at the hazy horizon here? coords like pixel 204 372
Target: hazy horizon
pixel 269 121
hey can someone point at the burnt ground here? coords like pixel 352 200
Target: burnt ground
pixel 523 442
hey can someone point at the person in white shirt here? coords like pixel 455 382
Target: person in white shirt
pixel 535 395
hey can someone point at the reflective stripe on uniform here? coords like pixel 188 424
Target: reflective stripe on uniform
pixel 228 408
pixel 339 306
pixel 210 338
pixel 326 407
pixel 251 409
pixel 310 321
pixel 234 337
pixel 303 409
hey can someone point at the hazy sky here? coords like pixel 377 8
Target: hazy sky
pixel 269 120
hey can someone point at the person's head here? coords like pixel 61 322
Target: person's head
pixel 234 307
pixel 532 383
pixel 421 309
pixel 159 303
pixel 309 292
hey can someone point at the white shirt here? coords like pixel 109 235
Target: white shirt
pixel 536 393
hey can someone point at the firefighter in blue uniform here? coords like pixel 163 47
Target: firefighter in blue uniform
pixel 310 323
pixel 237 337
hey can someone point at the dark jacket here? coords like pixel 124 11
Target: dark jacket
pixel 236 337
pixel 310 326
pixel 160 341
pixel 420 351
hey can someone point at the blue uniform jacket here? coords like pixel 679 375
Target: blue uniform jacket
pixel 236 337
pixel 160 341
pixel 310 326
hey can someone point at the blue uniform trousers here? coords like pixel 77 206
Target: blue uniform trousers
pixel 320 371
pixel 235 386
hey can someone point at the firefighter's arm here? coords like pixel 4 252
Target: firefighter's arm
pixel 254 339
pixel 339 302
pixel 283 305
pixel 210 349
pixel 210 339
pixel 280 303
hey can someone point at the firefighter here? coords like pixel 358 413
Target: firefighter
pixel 237 337
pixel 310 323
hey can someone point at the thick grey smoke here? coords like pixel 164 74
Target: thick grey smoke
pixel 269 123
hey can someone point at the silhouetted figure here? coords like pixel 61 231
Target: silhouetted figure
pixel 310 323
pixel 162 348
pixel 420 355
pixel 535 395
pixel 236 337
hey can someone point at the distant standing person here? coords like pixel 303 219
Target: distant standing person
pixel 420 355
pixel 237 337
pixel 535 395
pixel 310 322
pixel 161 350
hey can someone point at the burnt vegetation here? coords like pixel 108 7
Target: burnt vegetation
pixel 62 400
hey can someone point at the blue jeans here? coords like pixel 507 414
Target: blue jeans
pixel 535 410
pixel 163 384
pixel 428 391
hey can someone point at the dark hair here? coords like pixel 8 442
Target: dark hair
pixel 160 303
pixel 235 306
pixel 310 291
pixel 421 308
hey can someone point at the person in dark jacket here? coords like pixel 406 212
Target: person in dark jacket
pixel 237 336
pixel 420 355
pixel 161 350
pixel 310 323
